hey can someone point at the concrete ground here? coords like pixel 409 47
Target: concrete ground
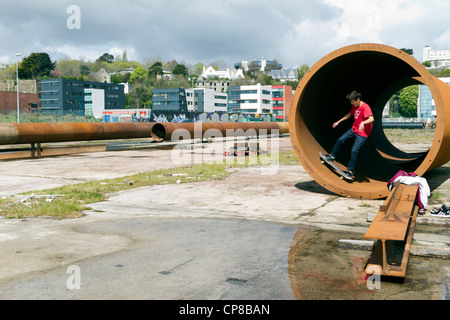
pixel 263 233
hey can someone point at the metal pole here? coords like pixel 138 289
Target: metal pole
pixel 17 87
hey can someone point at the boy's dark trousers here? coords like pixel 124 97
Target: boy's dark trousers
pixel 357 145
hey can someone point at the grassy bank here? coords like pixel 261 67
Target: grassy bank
pixel 409 135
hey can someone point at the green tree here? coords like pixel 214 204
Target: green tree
pixel 138 95
pixel 109 58
pixel 8 73
pixel 445 73
pixel 302 70
pixel 264 79
pixel 253 70
pixel 84 70
pixel 407 101
pixel 70 69
pixel 116 78
pixel 155 69
pixel 198 68
pixel 180 69
pixel 138 74
pixel 408 51
pixel 36 66
pixel 291 83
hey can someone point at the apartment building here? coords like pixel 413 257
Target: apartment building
pixel 438 58
pixel 254 99
pixel 426 107
pixel 189 100
pixel 65 96
pixel 281 102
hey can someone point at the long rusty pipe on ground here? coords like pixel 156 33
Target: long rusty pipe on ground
pixel 377 71
pixel 167 130
pixel 24 133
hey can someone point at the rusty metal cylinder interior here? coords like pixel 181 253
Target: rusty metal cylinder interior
pixel 377 71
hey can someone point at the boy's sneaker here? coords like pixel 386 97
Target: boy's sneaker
pixel 349 174
pixel 330 157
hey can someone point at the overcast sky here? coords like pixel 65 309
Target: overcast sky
pixel 294 32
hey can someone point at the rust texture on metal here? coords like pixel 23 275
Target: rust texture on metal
pixel 393 227
pixel 24 133
pixel 377 71
pixel 178 131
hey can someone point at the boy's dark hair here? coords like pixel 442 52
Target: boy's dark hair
pixel 354 95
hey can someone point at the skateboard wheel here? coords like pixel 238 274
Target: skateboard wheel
pixel 342 178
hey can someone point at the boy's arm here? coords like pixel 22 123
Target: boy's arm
pixel 370 119
pixel 348 115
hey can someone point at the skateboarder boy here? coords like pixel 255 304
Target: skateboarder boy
pixel 360 131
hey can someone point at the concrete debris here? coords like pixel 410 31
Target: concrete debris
pixel 48 198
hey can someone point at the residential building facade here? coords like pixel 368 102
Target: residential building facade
pixel 438 58
pixel 100 76
pixel 426 108
pixel 65 96
pixel 189 100
pixel 281 102
pixel 285 74
pixel 210 72
pixel 216 85
pixel 94 102
pixel 173 99
pixel 254 99
pixel 262 64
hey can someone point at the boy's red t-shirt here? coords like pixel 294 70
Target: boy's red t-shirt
pixel 361 114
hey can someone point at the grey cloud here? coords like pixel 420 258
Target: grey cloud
pixel 192 31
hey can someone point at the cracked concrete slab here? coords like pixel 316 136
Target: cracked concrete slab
pixel 279 232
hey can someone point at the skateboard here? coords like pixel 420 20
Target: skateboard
pixel 339 171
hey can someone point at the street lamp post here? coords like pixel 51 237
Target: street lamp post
pixel 17 86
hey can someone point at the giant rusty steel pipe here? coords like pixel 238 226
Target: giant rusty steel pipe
pixel 22 133
pixel 377 71
pixel 174 131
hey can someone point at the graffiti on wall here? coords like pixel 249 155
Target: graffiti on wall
pixel 209 117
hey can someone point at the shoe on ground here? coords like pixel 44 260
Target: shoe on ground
pixel 443 212
pixel 436 211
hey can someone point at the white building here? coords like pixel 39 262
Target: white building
pixel 210 72
pixel 260 63
pixel 250 99
pixel 94 102
pixel 126 87
pixel 206 100
pixel 426 108
pixel 438 58
pixel 285 74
